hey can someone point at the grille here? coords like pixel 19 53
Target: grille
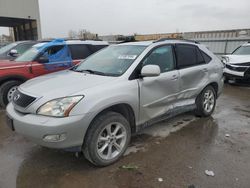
pixel 22 99
pixel 238 68
pixel 243 64
pixel 247 73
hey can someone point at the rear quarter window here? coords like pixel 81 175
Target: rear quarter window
pixel 206 57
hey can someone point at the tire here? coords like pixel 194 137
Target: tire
pixel 226 79
pixel 92 145
pixel 5 89
pixel 201 109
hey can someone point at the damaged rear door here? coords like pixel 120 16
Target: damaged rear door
pixel 158 94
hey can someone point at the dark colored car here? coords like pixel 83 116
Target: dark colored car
pixel 3 44
pixel 15 49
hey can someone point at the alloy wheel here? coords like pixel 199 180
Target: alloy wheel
pixel 111 141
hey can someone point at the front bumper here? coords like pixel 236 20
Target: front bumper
pixel 231 74
pixel 36 127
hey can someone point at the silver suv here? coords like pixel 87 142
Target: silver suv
pixel 96 106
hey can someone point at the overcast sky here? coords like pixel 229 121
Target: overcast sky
pixel 141 16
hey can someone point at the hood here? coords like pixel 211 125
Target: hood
pixel 8 63
pixel 234 59
pixel 63 83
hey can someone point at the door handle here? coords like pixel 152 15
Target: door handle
pixel 174 77
pixel 205 70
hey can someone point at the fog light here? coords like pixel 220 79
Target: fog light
pixel 54 137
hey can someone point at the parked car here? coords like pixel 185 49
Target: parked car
pixel 43 58
pixel 237 65
pixel 97 105
pixel 15 49
pixel 3 44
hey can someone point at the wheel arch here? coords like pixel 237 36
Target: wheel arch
pixel 122 108
pixel 12 77
pixel 215 86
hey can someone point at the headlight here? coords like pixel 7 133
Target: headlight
pixel 225 59
pixel 59 107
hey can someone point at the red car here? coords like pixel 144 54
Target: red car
pixel 43 58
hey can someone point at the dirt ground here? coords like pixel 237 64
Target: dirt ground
pixel 178 151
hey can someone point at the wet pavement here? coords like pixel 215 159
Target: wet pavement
pixel 178 151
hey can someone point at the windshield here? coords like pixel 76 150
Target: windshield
pixel 112 61
pixel 29 55
pixel 243 50
pixel 7 48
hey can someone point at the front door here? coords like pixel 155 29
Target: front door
pixel 58 57
pixel 157 94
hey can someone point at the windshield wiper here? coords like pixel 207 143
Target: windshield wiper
pixel 95 72
pixel 91 71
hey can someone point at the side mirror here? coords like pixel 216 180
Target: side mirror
pixel 150 71
pixel 43 59
pixel 13 53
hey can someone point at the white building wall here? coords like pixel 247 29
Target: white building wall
pixel 21 9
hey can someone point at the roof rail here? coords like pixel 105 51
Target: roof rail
pixel 185 40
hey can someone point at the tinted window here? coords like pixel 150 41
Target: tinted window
pixel 163 57
pixel 79 51
pixel 189 55
pixel 186 55
pixel 95 48
pixel 200 59
pixel 206 57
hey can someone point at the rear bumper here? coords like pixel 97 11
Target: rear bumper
pixel 36 127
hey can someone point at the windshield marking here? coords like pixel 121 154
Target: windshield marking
pixel 127 57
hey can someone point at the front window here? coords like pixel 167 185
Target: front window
pixel 111 61
pixel 7 48
pixel 243 50
pixel 29 55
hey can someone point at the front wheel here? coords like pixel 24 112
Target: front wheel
pixel 226 79
pixel 205 102
pixel 7 91
pixel 107 139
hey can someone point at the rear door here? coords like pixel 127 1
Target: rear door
pixel 193 72
pixel 79 52
pixel 158 94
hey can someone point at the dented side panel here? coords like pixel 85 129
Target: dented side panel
pixel 192 80
pixel 157 94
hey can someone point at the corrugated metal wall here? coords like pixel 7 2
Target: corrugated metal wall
pixel 223 46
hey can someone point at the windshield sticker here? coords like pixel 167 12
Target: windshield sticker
pixel 127 57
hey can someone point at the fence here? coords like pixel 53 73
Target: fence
pixel 223 46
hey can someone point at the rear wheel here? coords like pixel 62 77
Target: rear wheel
pixel 107 139
pixel 206 102
pixel 7 91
